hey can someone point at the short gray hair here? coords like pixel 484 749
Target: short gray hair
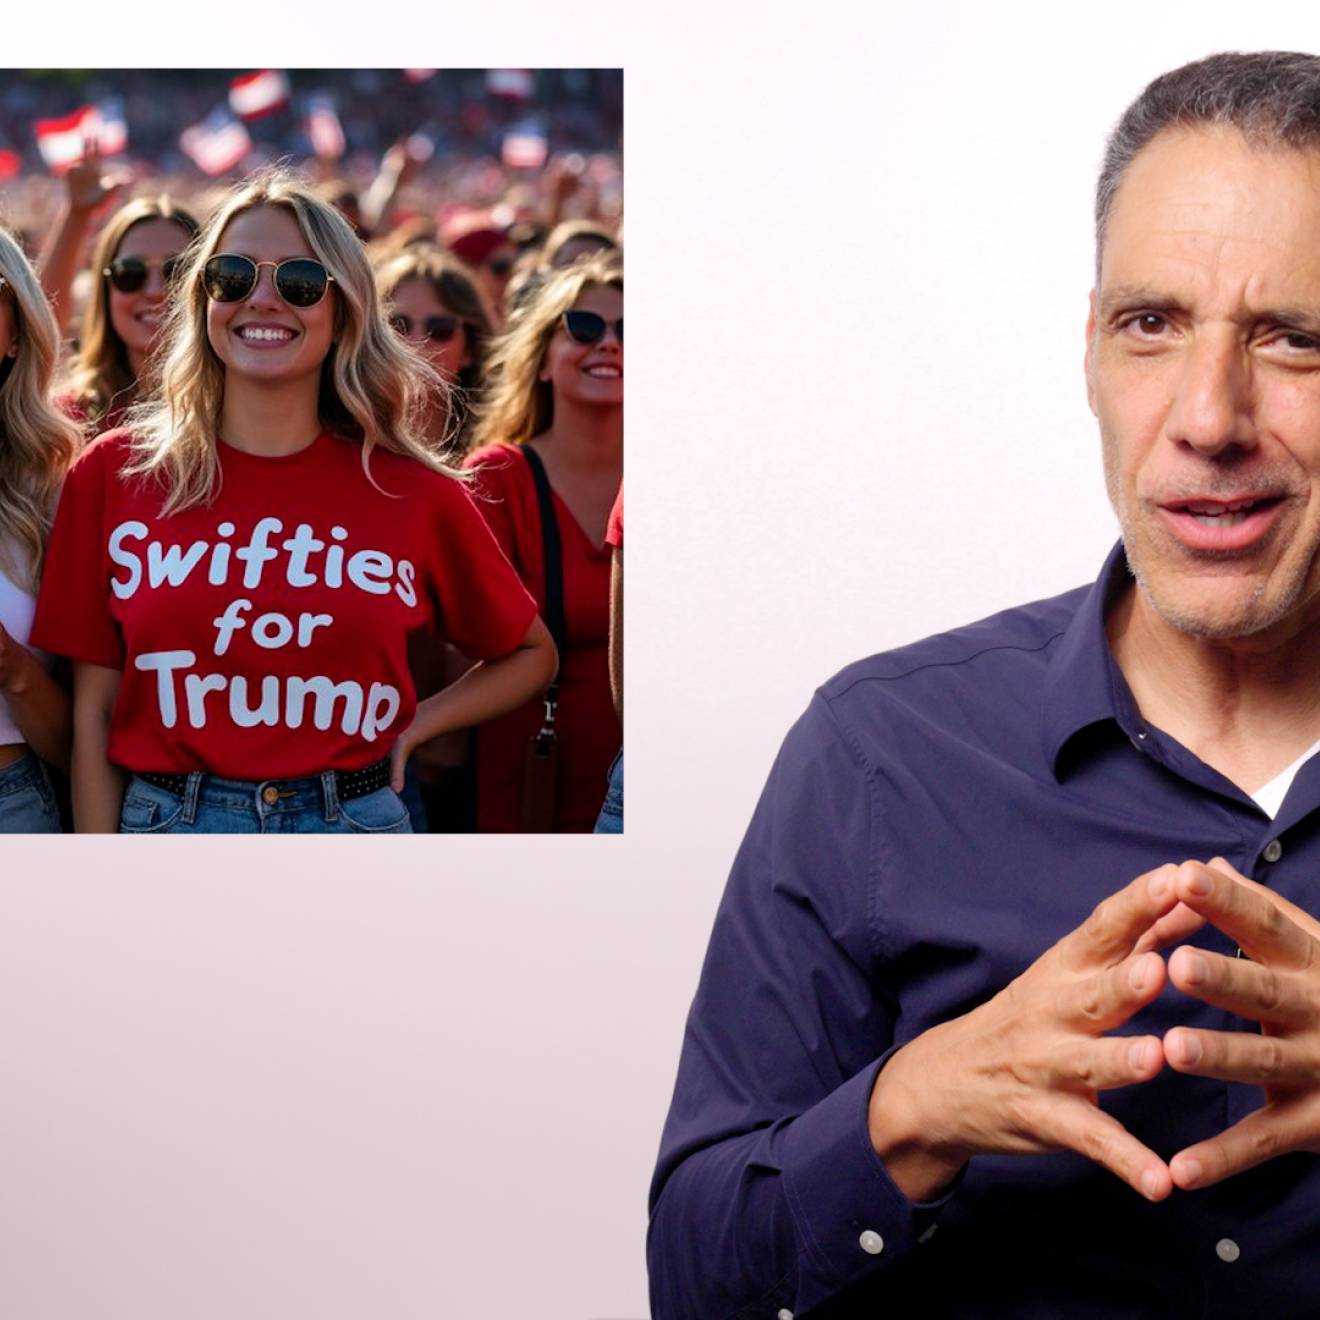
pixel 1271 96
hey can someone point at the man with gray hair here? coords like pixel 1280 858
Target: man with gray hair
pixel 1012 1005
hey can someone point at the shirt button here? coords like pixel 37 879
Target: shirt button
pixel 270 795
pixel 1227 1250
pixel 1273 851
pixel 784 1314
pixel 871 1243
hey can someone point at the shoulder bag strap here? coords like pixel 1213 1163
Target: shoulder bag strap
pixel 553 557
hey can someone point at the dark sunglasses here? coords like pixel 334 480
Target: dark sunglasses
pixel 129 274
pixel 300 281
pixel 438 329
pixel 590 327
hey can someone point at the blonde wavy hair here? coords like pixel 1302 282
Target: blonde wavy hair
pixel 100 374
pixel 517 404
pixel 37 442
pixel 373 387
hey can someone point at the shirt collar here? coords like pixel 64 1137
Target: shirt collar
pixel 1083 684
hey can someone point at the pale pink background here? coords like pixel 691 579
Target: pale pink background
pixel 415 1078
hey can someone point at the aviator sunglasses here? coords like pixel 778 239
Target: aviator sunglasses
pixel 589 327
pixel 129 274
pixel 438 329
pixel 301 281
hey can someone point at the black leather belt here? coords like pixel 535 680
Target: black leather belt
pixel 349 784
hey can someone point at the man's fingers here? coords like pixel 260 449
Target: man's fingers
pixel 1109 1061
pixel 1170 929
pixel 1239 1056
pixel 1080 1126
pixel 1263 1134
pixel 1107 999
pixel 1262 928
pixel 1249 989
pixel 1111 932
pixel 1303 918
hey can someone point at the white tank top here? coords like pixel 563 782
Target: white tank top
pixel 17 606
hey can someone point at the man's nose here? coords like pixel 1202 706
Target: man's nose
pixel 1213 409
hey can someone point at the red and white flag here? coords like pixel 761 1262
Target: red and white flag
pixel 510 84
pixel 61 141
pixel 524 148
pixel 324 130
pixel 255 94
pixel 217 144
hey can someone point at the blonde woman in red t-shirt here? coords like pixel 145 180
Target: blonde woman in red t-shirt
pixel 36 446
pixel 132 261
pixel 248 560
pixel 555 392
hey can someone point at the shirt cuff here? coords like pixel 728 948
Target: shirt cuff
pixel 852 1219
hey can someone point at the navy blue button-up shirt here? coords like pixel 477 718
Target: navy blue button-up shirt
pixel 939 817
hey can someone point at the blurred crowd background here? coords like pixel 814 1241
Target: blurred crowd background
pixel 449 150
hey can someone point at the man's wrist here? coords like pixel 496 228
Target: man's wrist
pixel 902 1133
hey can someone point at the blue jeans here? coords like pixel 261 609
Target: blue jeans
pixel 610 820
pixel 27 806
pixel 210 805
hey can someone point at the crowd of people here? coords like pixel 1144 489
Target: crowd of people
pixel 311 506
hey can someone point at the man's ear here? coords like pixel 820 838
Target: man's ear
pixel 1088 363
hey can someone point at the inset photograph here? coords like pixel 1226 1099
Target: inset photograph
pixel 311 451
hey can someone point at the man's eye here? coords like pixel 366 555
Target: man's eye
pixel 1148 324
pixel 1300 343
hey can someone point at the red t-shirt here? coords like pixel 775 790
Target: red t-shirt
pixel 265 636
pixel 588 728
pixel 614 531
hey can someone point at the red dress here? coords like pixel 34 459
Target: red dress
pixel 588 729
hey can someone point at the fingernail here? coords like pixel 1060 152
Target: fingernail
pixel 1159 884
pixel 1191 1172
pixel 1195 968
pixel 1139 974
pixel 1200 883
pixel 1187 1048
pixel 1139 1055
pixel 1150 1183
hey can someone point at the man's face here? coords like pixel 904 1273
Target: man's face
pixel 1203 368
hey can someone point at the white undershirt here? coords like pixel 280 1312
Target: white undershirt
pixel 1269 797
pixel 17 606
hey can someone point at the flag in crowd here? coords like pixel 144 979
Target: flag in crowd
pixel 63 142
pixel 324 131
pixel 511 84
pixel 253 95
pixel 524 147
pixel 218 143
